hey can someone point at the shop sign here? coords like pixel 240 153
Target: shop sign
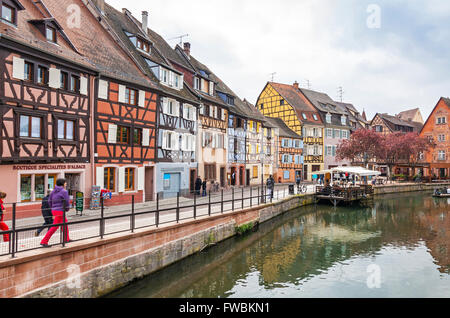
pixel 49 167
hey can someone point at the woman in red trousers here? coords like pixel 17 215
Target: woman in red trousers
pixel 59 203
pixel 3 226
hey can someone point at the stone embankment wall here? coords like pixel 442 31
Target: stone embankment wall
pixel 400 188
pixel 96 267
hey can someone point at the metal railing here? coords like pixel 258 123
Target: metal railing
pixel 22 239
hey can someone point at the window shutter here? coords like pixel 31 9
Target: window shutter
pixel 121 179
pixel 122 89
pixel 164 140
pixel 214 139
pixel 141 179
pixel 223 115
pixel 103 89
pixel 320 151
pixel 211 88
pixel 18 68
pixel 83 85
pixel 145 137
pixel 100 177
pixel 54 78
pixel 181 81
pixel 112 134
pixel 183 142
pixel 177 108
pixel 177 141
pixel 165 105
pixel 141 98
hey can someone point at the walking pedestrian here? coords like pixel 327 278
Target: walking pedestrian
pixel 198 185
pixel 46 214
pixel 3 226
pixel 270 185
pixel 59 203
pixel 204 185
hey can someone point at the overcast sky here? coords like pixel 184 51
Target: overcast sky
pixel 388 55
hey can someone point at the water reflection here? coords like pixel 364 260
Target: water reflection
pixel 321 251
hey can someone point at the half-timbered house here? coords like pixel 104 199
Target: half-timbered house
pixel 212 130
pixel 289 153
pixel 177 107
pixel 125 110
pixel 45 104
pixel 288 103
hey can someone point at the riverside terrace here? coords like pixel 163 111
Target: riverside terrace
pixel 114 220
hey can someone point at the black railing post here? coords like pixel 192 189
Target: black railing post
pixel 251 196
pixel 178 207
pixel 258 196
pixel 271 194
pixel 157 210
pixel 195 205
pixel 242 198
pixel 64 230
pixel 209 203
pixel 13 234
pixel 221 202
pixel 132 214
pixel 232 200
pixel 102 215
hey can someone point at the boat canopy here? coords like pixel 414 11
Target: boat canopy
pixel 359 171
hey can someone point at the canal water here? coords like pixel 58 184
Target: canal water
pixel 398 247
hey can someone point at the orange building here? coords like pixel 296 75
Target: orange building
pixel 437 127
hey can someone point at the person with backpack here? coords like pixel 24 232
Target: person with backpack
pixel 198 185
pixel 46 214
pixel 59 203
pixel 3 226
pixel 270 186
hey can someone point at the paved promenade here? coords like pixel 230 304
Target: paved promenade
pixel 119 223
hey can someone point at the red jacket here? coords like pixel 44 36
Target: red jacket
pixel 2 208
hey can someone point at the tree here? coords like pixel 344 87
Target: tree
pixel 363 146
pixel 415 147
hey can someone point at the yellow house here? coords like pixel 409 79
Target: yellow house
pixel 289 104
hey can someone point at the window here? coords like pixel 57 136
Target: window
pixel 29 67
pixel 255 172
pixel 66 129
pixel 64 81
pixel 8 14
pixel 379 128
pixel 137 136
pixel 123 135
pixel 304 116
pixel 315 117
pixel 164 76
pixel 441 155
pixel 110 179
pixel 329 133
pixel 30 127
pixel 50 34
pixel 441 120
pixel 262 106
pixel 42 77
pixel 287 175
pixel 298 144
pixel 441 138
pixel 196 83
pixel 142 45
pixel 131 96
pixel 25 188
pixel 282 102
pixel 328 118
pixel 39 187
pixel 344 120
pixel 74 83
pixel 129 179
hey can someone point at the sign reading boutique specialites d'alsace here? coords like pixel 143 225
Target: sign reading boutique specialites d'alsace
pixel 49 167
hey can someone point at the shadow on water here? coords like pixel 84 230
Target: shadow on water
pixel 293 250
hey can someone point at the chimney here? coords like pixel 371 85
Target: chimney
pixel 187 48
pixel 296 85
pixel 100 5
pixel 145 21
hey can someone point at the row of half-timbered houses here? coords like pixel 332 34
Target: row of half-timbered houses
pixel 93 95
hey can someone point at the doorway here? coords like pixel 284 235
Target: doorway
pixel 233 177
pixel 222 177
pixel 241 176
pixel 149 186
pixel 192 178
pixel 247 177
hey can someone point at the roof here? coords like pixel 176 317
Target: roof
pixel 408 114
pixel 392 121
pixel 284 130
pixel 123 22
pixel 254 112
pixel 97 44
pixel 27 34
pixel 294 97
pixel 352 170
pixel 322 102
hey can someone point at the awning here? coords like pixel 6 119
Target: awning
pixel 362 172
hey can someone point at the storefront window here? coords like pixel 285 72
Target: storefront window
pixel 39 187
pixel 25 188
pixel 129 179
pixel 51 182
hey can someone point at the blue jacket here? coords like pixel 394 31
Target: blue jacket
pixel 57 198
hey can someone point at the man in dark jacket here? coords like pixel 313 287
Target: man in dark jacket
pixel 59 202
pixel 46 213
pixel 271 185
pixel 204 186
pixel 198 185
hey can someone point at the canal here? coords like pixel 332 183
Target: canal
pixel 398 247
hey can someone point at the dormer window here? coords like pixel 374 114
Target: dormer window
pixel 315 117
pixel 196 83
pixel 142 45
pixel 42 77
pixel 328 118
pixel 344 120
pixel 304 116
pixel 50 34
pixel 8 14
